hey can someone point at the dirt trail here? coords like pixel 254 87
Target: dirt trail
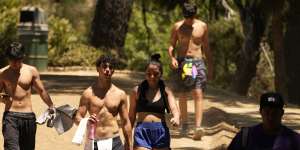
pixel 223 113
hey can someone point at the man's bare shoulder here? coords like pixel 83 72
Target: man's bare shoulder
pixel 33 70
pixel 118 90
pixel 29 67
pixel 4 69
pixel 200 23
pixel 88 92
pixel 178 24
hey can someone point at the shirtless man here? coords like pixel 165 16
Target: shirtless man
pixel 189 39
pixel 104 101
pixel 17 80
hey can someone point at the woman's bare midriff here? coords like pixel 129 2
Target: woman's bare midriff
pixel 150 117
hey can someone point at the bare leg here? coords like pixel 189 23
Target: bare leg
pixel 198 99
pixel 183 114
pixel 183 108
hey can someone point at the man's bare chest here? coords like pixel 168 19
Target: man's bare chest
pixel 190 33
pixel 109 103
pixel 18 80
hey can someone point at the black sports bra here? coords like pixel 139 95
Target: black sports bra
pixel 144 105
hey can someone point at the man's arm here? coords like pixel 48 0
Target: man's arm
pixel 173 41
pixel 39 87
pixel 126 125
pixel 3 96
pixel 2 99
pixel 208 54
pixel 82 108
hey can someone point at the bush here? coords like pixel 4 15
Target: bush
pixel 225 42
pixel 65 48
pixel 8 25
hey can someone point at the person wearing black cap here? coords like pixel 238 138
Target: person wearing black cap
pixel 189 40
pixel 271 134
pixel 16 81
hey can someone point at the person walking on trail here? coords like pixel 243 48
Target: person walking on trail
pixel 271 134
pixel 189 41
pixel 149 102
pixel 104 101
pixel 17 80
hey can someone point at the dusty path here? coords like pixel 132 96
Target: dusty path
pixel 223 114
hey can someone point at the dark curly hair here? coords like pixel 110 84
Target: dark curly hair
pixel 103 59
pixel 189 10
pixel 15 51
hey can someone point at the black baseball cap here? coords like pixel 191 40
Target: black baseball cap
pixel 272 99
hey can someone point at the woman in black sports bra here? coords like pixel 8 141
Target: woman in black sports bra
pixel 149 102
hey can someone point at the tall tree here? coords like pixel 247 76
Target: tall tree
pixel 292 53
pixel 109 25
pixel 277 44
pixel 253 21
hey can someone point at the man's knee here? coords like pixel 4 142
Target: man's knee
pixel 183 97
pixel 198 94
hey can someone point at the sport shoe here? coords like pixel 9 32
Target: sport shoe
pixel 198 133
pixel 184 130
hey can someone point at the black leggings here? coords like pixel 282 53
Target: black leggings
pixel 19 130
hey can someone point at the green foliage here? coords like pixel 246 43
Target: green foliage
pixel 265 76
pixel 78 12
pixel 65 49
pixel 81 55
pixel 141 42
pixel 225 42
pixel 8 25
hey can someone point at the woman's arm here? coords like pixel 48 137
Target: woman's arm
pixel 173 107
pixel 132 105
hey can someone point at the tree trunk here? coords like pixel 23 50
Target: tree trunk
pixel 277 37
pixel 109 25
pixel 292 53
pixel 253 23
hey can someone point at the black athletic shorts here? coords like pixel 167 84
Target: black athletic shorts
pixel 19 130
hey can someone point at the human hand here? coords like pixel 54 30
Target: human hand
pixel 174 64
pixel 4 97
pixel 51 117
pixel 52 110
pixel 93 118
pixel 174 121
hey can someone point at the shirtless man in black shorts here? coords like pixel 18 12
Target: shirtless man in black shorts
pixel 17 80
